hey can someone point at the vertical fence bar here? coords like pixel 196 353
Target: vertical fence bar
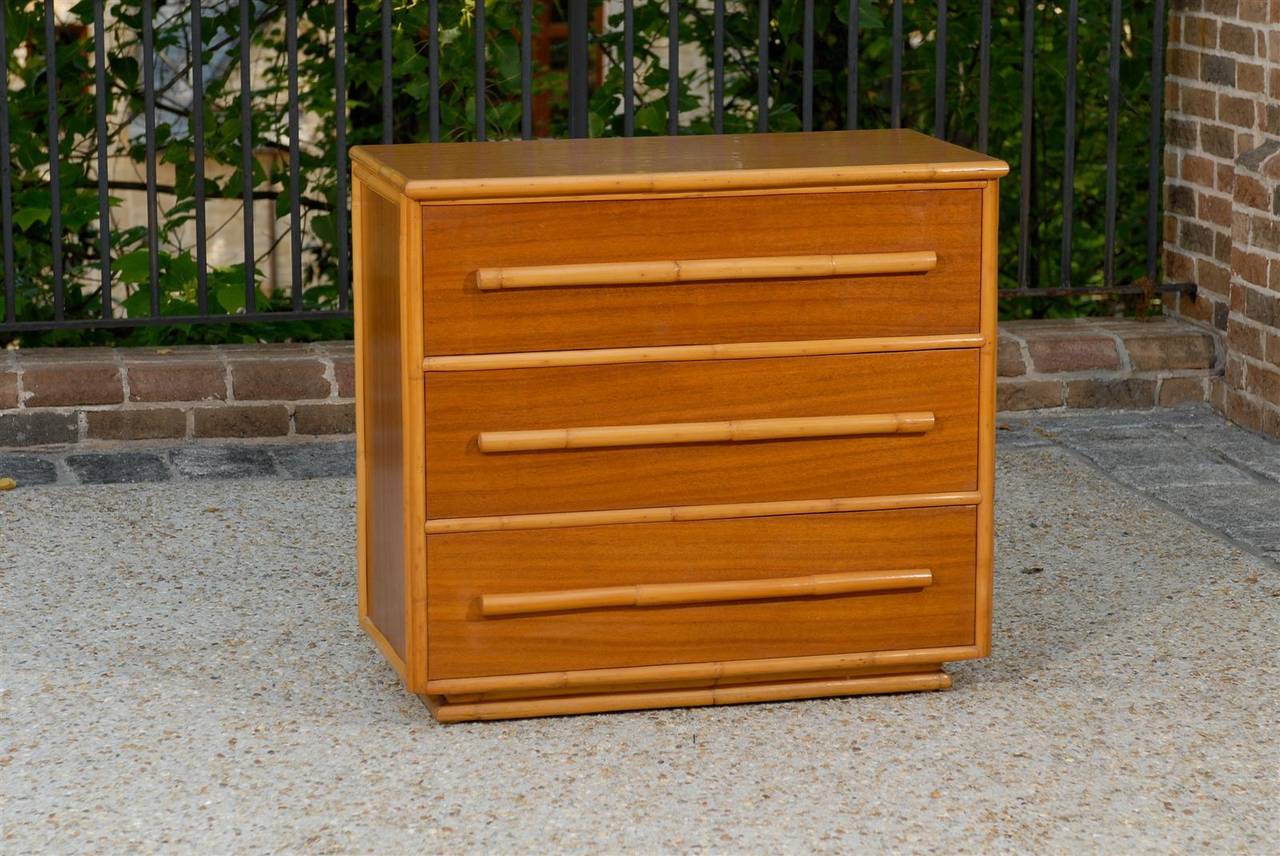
pixel 246 154
pixel 6 179
pixel 197 135
pixel 295 155
pixel 526 69
pixel 895 84
pixel 100 121
pixel 1069 142
pixel 55 165
pixel 1025 165
pixel 1155 154
pixel 940 74
pixel 806 98
pixel 478 22
pixel 386 72
pixel 628 68
pixel 433 69
pixel 340 201
pixel 149 113
pixel 851 90
pixel 1113 123
pixel 673 67
pixel 762 70
pixel 577 68
pixel 984 78
pixel 718 72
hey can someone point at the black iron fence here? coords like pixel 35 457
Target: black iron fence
pixel 248 108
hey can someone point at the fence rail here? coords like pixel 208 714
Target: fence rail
pixel 208 33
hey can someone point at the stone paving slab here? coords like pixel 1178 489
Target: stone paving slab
pixel 181 672
pixel 1220 476
pixel 132 465
pixel 223 462
pixel 117 467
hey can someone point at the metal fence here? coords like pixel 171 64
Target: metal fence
pixel 584 36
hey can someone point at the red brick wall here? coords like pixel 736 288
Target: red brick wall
pixel 1222 174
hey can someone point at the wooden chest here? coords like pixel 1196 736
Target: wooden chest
pixel 674 421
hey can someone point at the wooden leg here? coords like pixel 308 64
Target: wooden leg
pixel 459 711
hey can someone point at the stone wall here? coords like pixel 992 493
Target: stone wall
pixel 1222 175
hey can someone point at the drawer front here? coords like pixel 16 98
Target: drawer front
pixel 830 282
pixel 524 441
pixel 687 592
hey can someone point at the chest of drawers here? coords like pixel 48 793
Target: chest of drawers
pixel 674 421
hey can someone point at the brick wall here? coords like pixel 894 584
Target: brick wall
pixel 1119 363
pixel 1222 174
pixel 74 395
pixel 63 396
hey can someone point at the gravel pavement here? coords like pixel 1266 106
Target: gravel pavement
pixel 181 672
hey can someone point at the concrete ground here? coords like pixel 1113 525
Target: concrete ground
pixel 182 672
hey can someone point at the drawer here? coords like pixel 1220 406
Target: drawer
pixel 521 441
pixel 783 267
pixel 686 592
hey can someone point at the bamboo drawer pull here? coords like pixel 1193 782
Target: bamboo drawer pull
pixel 676 594
pixel 703 270
pixel 736 431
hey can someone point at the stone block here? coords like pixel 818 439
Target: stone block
pixel 260 420
pixel 1120 394
pixel 279 380
pixel 178 380
pixel 160 423
pixel 38 428
pixel 58 384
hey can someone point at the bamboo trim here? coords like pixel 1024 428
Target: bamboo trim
pixel 729 192
pixel 703 270
pixel 676 594
pixel 671 182
pixel 984 560
pixel 800 675
pixel 385 647
pixel 792 690
pixel 374 180
pixel 413 351
pixel 734 431
pixel 708 674
pixel 686 353
pixel 671 514
pixel 362 452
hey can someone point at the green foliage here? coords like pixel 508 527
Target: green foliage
pixel 176 293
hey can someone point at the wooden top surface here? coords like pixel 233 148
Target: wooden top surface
pixel 671 164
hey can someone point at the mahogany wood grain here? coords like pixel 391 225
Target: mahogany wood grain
pixel 466 567
pixel 677 271
pixel 460 240
pixel 666 164
pixel 674 594
pixel 647 700
pixel 379 341
pixel 684 353
pixel 469 483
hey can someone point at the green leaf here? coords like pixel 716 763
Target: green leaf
pixel 230 297
pixel 24 217
pixel 134 267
